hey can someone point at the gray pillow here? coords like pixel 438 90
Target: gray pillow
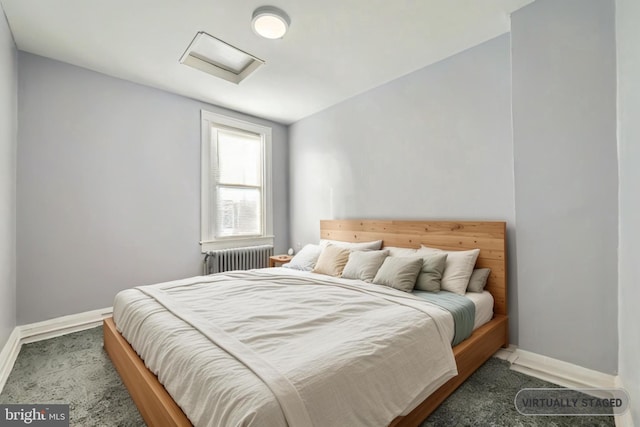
pixel 478 279
pixel 399 273
pixel 364 265
pixel 431 275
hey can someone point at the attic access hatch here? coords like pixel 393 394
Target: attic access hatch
pixel 213 56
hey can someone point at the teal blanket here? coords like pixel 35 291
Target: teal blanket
pixel 462 309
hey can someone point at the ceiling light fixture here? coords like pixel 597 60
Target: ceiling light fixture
pixel 270 22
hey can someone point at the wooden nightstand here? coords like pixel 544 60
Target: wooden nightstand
pixel 279 259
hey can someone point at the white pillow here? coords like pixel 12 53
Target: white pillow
pixel 352 246
pixel 403 252
pixel 306 259
pixel 458 268
pixel 363 265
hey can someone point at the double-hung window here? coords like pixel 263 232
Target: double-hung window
pixel 236 183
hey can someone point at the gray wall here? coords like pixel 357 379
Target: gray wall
pixel 109 188
pixel 8 144
pixel 628 48
pixel 433 144
pixel 564 115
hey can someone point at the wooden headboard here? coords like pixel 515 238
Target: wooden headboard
pixel 488 236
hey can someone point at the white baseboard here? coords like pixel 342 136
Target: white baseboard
pixel 624 420
pixel 63 325
pixel 559 372
pixel 506 353
pixel 562 373
pixel 44 330
pixel 8 356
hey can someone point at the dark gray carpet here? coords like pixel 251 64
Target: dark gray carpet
pixel 487 399
pixel 74 369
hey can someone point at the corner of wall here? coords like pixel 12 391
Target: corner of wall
pixel 8 161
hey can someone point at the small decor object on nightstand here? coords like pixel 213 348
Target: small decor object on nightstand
pixel 279 260
pixel 290 251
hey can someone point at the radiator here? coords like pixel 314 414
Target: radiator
pixel 237 259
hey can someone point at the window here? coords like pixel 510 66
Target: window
pixel 236 183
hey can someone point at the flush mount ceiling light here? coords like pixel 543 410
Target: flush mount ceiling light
pixel 213 56
pixel 270 22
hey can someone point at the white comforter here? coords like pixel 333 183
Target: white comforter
pixel 293 348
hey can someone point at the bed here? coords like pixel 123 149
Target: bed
pixel 159 409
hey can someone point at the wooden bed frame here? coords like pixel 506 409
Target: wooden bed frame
pixel 159 410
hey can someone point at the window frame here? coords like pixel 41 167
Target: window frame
pixel 208 240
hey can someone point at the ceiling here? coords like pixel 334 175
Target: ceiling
pixel 334 49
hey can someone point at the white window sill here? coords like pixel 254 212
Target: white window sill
pixel 235 243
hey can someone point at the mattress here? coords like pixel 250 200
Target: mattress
pixel 483 303
pixel 273 347
pixel 484 307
